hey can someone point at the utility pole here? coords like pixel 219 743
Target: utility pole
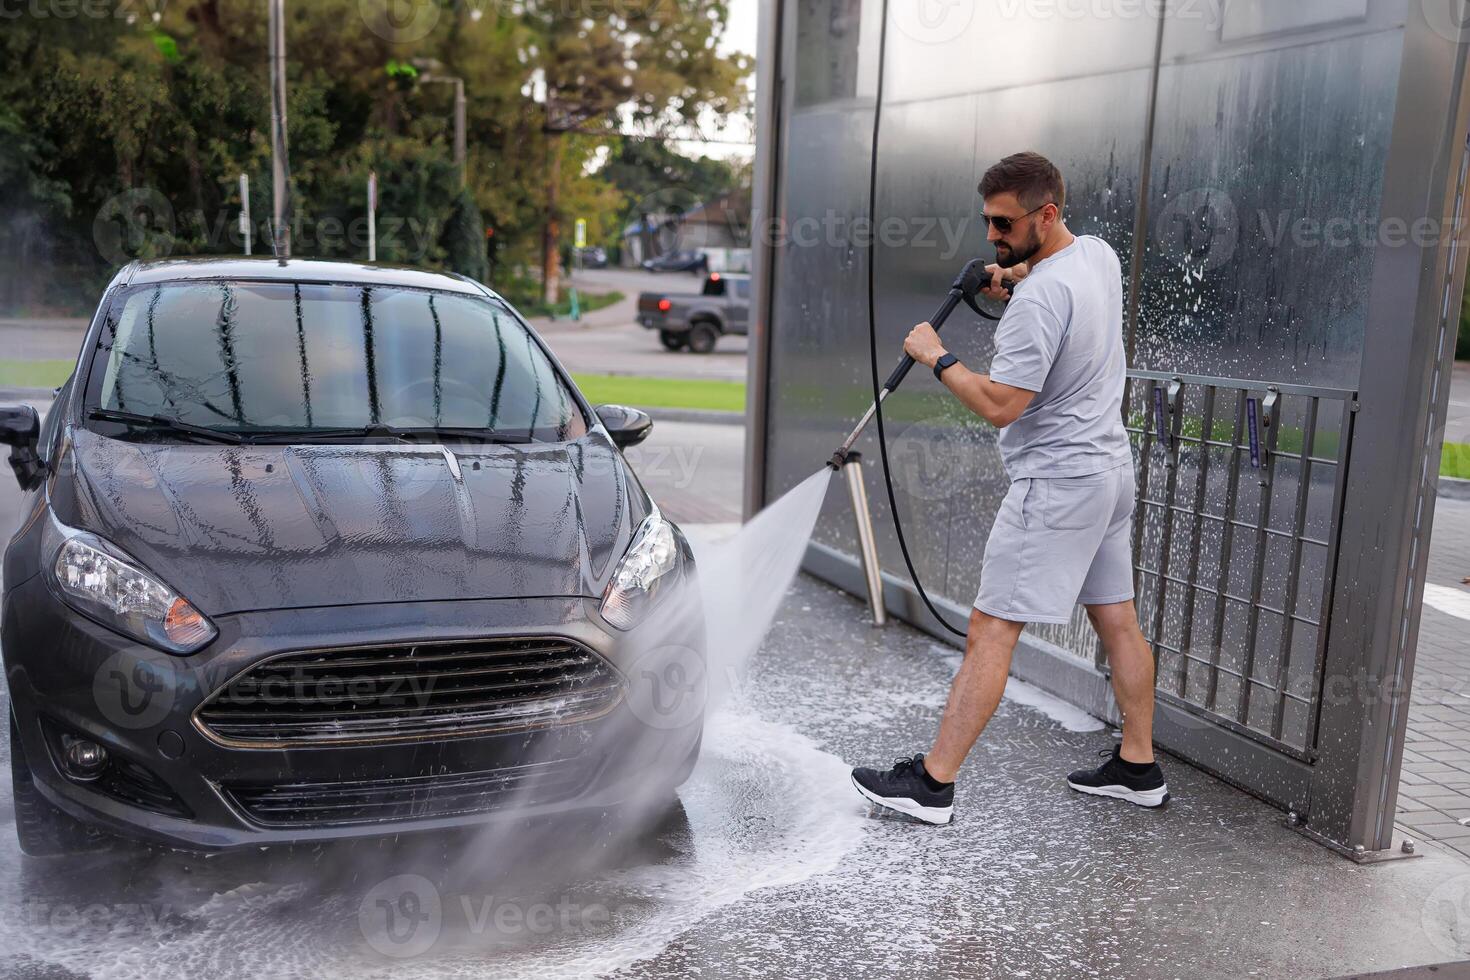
pixel 245 211
pixel 281 223
pixel 372 216
pixel 459 124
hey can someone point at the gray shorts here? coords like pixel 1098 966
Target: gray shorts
pixel 1058 542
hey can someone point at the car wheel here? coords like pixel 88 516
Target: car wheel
pixel 702 337
pixel 671 340
pixel 42 829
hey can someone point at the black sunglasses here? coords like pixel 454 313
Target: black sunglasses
pixel 1004 225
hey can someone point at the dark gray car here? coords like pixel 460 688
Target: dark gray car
pixel 316 550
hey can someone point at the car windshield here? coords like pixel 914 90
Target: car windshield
pixel 283 357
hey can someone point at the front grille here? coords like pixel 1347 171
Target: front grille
pixel 359 802
pixel 419 691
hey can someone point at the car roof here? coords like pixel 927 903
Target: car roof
pixel 297 270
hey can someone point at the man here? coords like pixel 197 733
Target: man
pixel 1055 391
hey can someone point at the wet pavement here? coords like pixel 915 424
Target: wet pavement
pixel 771 867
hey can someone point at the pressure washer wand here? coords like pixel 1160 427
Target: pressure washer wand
pixel 970 281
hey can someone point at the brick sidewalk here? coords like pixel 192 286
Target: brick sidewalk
pixel 1434 787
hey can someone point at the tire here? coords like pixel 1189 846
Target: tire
pixel 702 337
pixel 671 340
pixel 42 829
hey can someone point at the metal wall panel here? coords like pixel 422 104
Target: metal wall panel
pixel 1240 159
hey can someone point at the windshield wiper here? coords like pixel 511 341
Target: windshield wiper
pixel 166 423
pixel 405 433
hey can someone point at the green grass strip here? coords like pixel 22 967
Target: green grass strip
pixel 1454 460
pixel 33 374
pixel 718 396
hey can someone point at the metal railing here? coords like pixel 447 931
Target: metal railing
pixel 1240 494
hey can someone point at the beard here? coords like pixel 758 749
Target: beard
pixel 1015 255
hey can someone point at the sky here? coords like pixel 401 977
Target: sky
pixel 739 36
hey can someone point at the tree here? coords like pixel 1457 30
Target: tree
pixel 655 66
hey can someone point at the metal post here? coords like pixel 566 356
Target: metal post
pixel 372 216
pixel 281 227
pixel 867 540
pixel 1388 509
pixel 770 48
pixel 245 211
pixel 459 133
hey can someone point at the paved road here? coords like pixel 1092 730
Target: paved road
pixel 606 341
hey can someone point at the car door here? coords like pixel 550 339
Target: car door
pixel 737 317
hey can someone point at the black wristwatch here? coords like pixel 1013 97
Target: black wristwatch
pixel 947 361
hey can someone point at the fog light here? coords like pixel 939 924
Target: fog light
pixel 84 758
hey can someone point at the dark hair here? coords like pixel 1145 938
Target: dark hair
pixel 1033 178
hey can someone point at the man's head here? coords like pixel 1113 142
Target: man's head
pixel 1024 195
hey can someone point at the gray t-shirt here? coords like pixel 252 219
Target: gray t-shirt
pixel 1062 337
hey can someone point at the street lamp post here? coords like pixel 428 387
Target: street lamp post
pixel 281 227
pixel 430 67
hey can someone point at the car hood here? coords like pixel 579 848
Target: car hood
pixel 234 528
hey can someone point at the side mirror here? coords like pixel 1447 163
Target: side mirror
pixel 20 428
pixel 627 426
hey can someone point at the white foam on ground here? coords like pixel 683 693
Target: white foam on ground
pixel 1017 691
pixel 1448 600
pixel 1070 717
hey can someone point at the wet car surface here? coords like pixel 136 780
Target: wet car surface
pixel 316 550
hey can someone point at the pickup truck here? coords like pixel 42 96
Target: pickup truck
pixel 697 320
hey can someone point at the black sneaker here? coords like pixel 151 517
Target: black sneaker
pixel 904 789
pixel 1113 779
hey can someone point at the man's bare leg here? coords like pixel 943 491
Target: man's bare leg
pixel 975 692
pixel 1133 675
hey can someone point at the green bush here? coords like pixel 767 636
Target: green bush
pixel 1462 347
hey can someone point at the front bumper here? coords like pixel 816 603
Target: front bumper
pixel 69 674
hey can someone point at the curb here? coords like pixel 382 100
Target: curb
pixel 26 394
pixel 1454 488
pixel 705 415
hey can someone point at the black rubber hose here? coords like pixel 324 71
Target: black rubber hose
pixel 873 333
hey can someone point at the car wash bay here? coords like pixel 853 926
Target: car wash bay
pixel 772 866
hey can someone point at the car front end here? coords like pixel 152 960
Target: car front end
pixel 235 635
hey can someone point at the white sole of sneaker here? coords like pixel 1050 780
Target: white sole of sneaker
pixel 936 815
pixel 1148 797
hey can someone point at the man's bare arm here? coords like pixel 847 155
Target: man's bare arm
pixel 997 403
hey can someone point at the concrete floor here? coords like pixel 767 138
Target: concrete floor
pixel 773 867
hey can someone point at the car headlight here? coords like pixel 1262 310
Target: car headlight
pixel 635 584
pixel 97 580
